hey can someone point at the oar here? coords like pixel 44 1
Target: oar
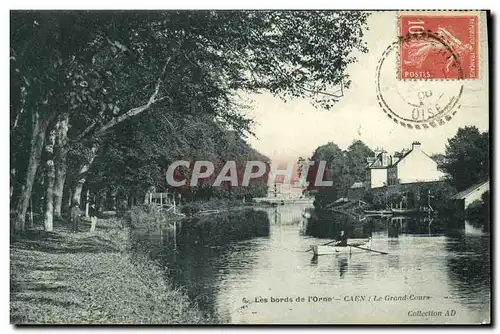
pixel 330 242
pixel 367 249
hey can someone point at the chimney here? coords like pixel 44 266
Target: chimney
pixel 415 146
pixel 384 158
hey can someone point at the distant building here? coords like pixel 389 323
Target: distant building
pixel 285 191
pixel 466 197
pixel 407 166
pixel 376 175
pixel 356 191
pixel 281 189
pixel 414 166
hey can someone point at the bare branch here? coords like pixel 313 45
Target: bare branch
pixel 84 133
pixel 341 90
pixel 137 110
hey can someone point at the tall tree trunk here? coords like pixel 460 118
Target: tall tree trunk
pixel 12 181
pixel 114 202
pixel 49 183
pixel 69 196
pixel 39 129
pixel 153 99
pixel 61 152
pixel 60 181
pixel 102 202
pixel 82 175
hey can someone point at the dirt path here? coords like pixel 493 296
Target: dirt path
pixel 62 277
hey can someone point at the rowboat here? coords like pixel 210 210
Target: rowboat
pixel 404 211
pixel 377 212
pixel 332 250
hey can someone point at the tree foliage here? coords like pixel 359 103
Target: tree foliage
pixel 467 157
pixel 182 71
pixel 138 157
pixel 343 168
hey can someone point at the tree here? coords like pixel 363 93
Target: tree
pixel 37 72
pixel 290 54
pixel 97 70
pixel 50 177
pixel 440 193
pixel 53 54
pixel 343 168
pixel 333 157
pixel 356 156
pixel 60 163
pixel 137 157
pixel 253 51
pixel 467 157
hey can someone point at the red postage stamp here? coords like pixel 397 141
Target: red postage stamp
pixel 438 45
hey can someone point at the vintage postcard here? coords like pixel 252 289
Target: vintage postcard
pixel 250 167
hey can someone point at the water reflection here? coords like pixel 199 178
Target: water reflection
pixel 423 225
pixel 329 225
pixel 468 268
pixel 286 215
pixel 260 253
pixel 342 266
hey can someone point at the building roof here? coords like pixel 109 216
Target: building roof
pixel 406 153
pixel 357 185
pixel 464 193
pixel 401 158
pixel 401 155
pixel 378 158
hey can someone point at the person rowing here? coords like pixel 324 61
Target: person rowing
pixel 342 240
pixel 342 247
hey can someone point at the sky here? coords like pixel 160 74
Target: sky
pixel 286 130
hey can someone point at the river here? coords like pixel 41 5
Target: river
pixel 252 267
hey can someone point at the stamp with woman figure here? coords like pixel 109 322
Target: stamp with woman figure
pixel 438 45
pixel 435 56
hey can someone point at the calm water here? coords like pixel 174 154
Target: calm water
pixel 233 265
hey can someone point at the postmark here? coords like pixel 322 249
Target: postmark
pixel 417 104
pixel 443 45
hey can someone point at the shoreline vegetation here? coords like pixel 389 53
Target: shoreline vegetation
pixel 349 207
pixel 211 206
pixel 101 277
pixel 61 277
pixel 464 164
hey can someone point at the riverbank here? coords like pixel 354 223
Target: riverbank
pixel 210 206
pixel 90 278
pixel 216 206
pixel 353 208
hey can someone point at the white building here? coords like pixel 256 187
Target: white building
pixel 414 166
pixel 376 170
pixel 408 166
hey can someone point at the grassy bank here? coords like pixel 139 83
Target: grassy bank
pixel 81 278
